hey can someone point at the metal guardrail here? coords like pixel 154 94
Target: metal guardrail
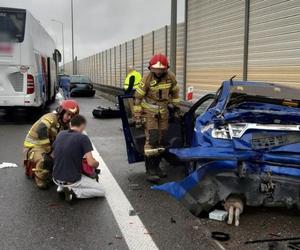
pixel 115 91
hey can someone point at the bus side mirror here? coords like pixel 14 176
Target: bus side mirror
pixel 57 56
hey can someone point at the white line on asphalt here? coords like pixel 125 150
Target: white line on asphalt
pixel 133 230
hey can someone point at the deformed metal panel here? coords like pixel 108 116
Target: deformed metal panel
pixel 147 51
pixel 274 41
pixel 214 43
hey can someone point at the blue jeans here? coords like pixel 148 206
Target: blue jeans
pixel 66 93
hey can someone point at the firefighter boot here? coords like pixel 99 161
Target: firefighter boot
pixel 159 171
pixel 152 175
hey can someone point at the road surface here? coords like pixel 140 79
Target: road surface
pixel 34 219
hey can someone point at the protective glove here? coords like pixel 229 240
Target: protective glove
pixel 177 112
pixel 138 122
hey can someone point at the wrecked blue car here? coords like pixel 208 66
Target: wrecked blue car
pixel 242 142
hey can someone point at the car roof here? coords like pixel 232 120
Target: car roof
pixel 258 84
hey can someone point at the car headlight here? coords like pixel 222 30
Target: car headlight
pixel 221 133
pixel 237 129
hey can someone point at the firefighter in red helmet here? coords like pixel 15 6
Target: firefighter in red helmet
pixel 156 91
pixel 38 142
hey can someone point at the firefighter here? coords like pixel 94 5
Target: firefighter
pixel 38 142
pixel 155 92
pixel 132 80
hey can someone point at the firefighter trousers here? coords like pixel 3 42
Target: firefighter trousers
pixel 38 165
pixel 155 129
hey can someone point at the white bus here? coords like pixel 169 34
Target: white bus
pixel 28 61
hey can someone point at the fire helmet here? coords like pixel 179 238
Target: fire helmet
pixel 68 106
pixel 159 61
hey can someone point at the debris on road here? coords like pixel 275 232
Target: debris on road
pixel 8 165
pixel 196 228
pixel 135 186
pixel 106 112
pixel 54 205
pixel 119 237
pixel 217 214
pixel 132 212
pixel 220 236
pixel 272 240
pixel 172 220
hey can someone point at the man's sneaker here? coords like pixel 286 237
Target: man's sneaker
pixel 60 189
pixel 69 194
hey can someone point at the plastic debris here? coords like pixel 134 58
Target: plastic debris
pixel 219 215
pixel 132 213
pixel 119 237
pixel 8 165
pixel 172 220
pixel 134 186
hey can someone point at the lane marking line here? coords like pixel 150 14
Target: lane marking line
pixel 133 230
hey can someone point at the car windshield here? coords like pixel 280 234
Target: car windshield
pixel 80 79
pixel 12 25
pixel 264 93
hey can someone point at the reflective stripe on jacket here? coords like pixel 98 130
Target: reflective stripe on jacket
pixel 43 132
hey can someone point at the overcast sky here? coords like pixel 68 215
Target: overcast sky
pixel 98 24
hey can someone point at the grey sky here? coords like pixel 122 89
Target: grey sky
pixel 98 24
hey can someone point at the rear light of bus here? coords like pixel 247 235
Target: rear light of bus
pixel 30 84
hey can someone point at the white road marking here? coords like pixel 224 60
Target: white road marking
pixel 133 230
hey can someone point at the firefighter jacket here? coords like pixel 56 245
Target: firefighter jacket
pixel 154 96
pixel 43 132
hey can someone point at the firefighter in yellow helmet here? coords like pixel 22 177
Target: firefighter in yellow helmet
pixel 38 142
pixel 155 92
pixel 132 80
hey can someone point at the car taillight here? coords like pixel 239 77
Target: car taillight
pixel 30 84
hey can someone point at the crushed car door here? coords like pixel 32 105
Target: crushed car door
pixel 178 131
pixel 134 137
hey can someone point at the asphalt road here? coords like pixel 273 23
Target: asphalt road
pixel 34 219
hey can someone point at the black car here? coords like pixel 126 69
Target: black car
pixel 81 86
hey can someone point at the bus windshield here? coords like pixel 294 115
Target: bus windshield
pixel 12 25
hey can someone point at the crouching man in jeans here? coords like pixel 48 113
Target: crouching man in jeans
pixel 69 149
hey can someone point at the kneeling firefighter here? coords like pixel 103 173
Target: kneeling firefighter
pixel 38 162
pixel 156 91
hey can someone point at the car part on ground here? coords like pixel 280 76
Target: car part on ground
pixel 220 236
pixel 234 206
pixel 106 112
